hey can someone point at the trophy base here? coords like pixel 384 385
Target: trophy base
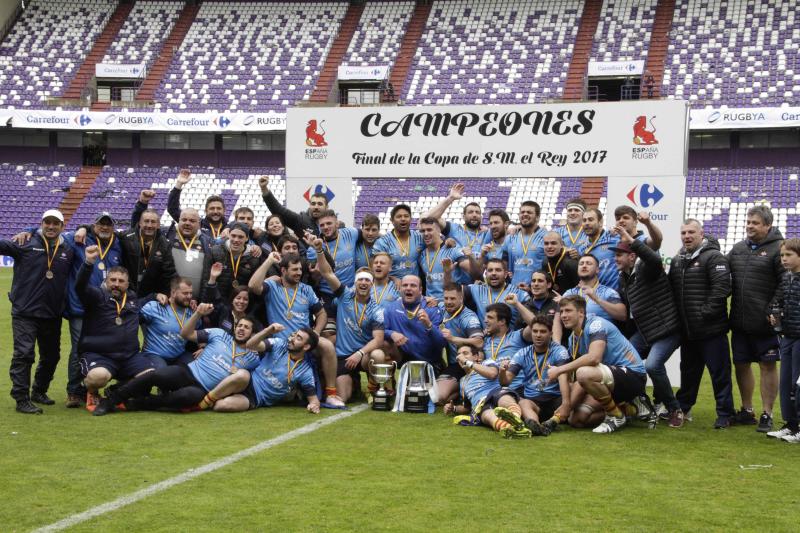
pixel 380 403
pixel 417 402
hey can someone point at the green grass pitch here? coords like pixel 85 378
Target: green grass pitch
pixel 383 471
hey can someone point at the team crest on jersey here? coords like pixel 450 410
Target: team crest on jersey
pixel 595 326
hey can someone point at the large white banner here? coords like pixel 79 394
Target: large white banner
pixel 363 73
pixel 662 198
pixel 733 119
pixel 135 121
pixel 642 138
pixel 338 191
pixel 113 70
pixel 615 68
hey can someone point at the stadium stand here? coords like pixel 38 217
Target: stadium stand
pixel 45 48
pixel 623 32
pixel 378 35
pixel 29 190
pixel 142 35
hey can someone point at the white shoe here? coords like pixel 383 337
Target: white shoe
pixel 794 438
pixel 610 424
pixel 780 433
pixel 334 401
pixel 662 411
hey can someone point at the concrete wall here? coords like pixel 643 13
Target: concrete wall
pixel 7 8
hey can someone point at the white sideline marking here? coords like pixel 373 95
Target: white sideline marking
pixel 195 472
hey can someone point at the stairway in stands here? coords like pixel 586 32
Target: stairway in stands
pixel 173 41
pixel 78 190
pixel 659 44
pixel 592 190
pixel 408 46
pixel 579 64
pixel 330 70
pixel 99 48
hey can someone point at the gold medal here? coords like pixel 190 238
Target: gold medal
pixel 235 284
pixel 289 315
pixel 118 321
pixel 49 274
pixel 101 266
pixel 120 307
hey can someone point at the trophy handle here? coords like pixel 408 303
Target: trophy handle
pixel 370 365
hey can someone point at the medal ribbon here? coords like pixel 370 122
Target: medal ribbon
pixel 103 254
pixel 493 300
pixel 120 307
pixel 174 312
pixel 555 269
pixel 335 249
pixel 290 370
pixel 47 251
pixel 355 310
pixel 432 263
pixel 577 236
pixel 576 335
pixel 215 231
pixel 145 251
pixel 594 242
pixel 403 251
pixel 234 355
pixel 379 299
pixel 540 370
pixel 496 351
pixel 580 289
pixel 413 313
pixel 290 303
pixel 525 245
pixel 446 320
pixel 235 264
pixel 183 242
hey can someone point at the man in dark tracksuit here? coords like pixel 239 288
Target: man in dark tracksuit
pixel 701 284
pixel 147 255
pixel 38 297
pixel 297 222
pixel 755 272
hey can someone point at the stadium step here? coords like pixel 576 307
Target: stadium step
pixel 659 43
pixel 173 41
pixel 592 190
pixel 78 190
pixel 329 72
pixel 574 87
pixel 409 44
pixel 101 45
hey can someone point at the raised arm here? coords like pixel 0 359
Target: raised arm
pixel 174 200
pixel 143 203
pixel 256 283
pixel 322 262
pixel 655 239
pixel 437 212
pixel 256 342
pixel 289 218
pixel 189 329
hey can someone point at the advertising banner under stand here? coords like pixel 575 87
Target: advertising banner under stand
pixel 363 73
pixel 113 70
pixel 744 118
pixel 338 191
pixel 615 68
pixel 641 138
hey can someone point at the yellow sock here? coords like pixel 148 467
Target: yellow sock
pixel 208 401
pixel 500 424
pixel 610 406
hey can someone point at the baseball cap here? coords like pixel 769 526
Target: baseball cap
pixel 55 213
pixel 623 247
pixel 105 214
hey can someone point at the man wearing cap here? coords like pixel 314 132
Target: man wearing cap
pixel 41 269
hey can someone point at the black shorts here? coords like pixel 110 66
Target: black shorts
pixel 341 370
pixel 493 399
pixel 330 310
pixel 627 385
pixel 548 404
pixel 121 369
pixel 454 371
pixel 752 348
pixel 250 394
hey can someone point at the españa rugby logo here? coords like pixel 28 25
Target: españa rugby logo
pixel 644 139
pixel 315 140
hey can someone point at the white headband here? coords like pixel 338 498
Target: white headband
pixel 364 275
pixel 577 206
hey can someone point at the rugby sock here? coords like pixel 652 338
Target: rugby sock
pixel 330 391
pixel 500 425
pixel 556 418
pixel 630 409
pixel 516 410
pixel 208 401
pixel 610 407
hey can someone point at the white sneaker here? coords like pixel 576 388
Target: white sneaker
pixel 780 433
pixel 687 416
pixel 610 424
pixel 662 411
pixel 793 438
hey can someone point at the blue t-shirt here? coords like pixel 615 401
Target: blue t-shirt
pixel 464 324
pixel 384 295
pixel 481 296
pixel 304 304
pixel 502 347
pixel 532 367
pixel 524 255
pixel 619 351
pixel 363 253
pixel 355 322
pixel 430 264
pixel 475 387
pixel 572 239
pixel 405 259
pixel 162 335
pixel 423 344
pixel 593 308
pixel 473 240
pixel 270 380
pixel 343 251
pixel 601 249
pixel 220 358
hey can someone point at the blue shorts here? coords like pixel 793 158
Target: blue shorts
pixel 121 369
pixel 754 348
pixel 493 399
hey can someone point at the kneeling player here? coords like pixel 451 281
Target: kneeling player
pixel 488 403
pixel 281 370
pixel 543 400
pixel 609 370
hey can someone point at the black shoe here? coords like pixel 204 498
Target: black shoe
pixel 537 430
pixel 722 422
pixel 27 407
pixel 745 418
pixel 550 425
pixel 104 407
pixel 42 398
pixel 764 423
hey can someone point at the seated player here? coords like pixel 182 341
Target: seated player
pixel 484 400
pixel 282 370
pixel 543 400
pixel 460 326
pixel 185 386
pixel 162 324
pixel 109 341
pixel 500 342
pixel 359 327
pixel 607 368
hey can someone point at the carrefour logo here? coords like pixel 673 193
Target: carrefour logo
pixel 222 121
pixel 83 120
pixel 319 189
pixel 645 195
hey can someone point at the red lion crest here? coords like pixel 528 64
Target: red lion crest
pixel 314 137
pixel 641 135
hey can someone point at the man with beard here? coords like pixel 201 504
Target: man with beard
pixel 384 289
pixel 572 232
pixel 237 262
pixel 468 235
pixel 412 328
pixel 460 327
pixel 542 301
pixel 190 249
pixel 213 222
pixel 599 242
pixel 162 324
pixel 626 217
pixel 524 251
pixel 38 290
pixel 297 222
pixel 109 341
pixel 493 248
pixel 404 245
pixel 562 268
pixel 500 340
pixel 600 300
pixel 187 386
pixel 435 252
pixel 370 232
pixel 146 250
pixel 359 327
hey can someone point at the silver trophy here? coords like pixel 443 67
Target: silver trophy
pixel 417 390
pixel 381 373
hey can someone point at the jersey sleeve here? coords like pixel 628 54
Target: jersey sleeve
pixel 203 336
pixel 559 356
pixel 597 331
pixel 148 312
pixel 613 296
